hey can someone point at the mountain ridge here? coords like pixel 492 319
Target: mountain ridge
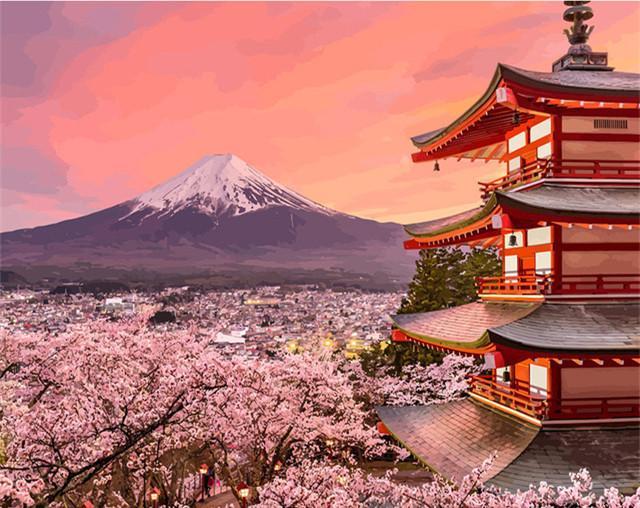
pixel 219 214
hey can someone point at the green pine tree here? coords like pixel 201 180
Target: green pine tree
pixel 446 278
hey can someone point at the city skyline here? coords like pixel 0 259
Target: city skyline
pixel 103 101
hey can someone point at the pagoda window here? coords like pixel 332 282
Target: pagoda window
pixel 538 380
pixel 539 236
pixel 540 130
pixel 511 265
pixel 543 263
pixel 518 141
pixel 544 151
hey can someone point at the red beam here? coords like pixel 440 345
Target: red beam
pixel 419 157
pixel 600 246
pixel 412 244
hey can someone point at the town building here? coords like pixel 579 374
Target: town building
pixel 559 330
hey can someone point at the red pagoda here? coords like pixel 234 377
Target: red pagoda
pixel 559 330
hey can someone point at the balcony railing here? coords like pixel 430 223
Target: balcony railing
pixel 596 284
pixel 602 169
pixel 529 173
pixel 517 398
pixel 530 285
pixel 563 168
pixel 545 285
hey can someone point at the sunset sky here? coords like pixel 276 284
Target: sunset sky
pixel 101 101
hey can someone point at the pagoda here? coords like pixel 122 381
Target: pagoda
pixel 558 331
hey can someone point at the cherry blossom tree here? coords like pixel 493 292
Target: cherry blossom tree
pixel 108 410
pixel 323 485
pixel 430 384
pixel 96 411
pixel 273 413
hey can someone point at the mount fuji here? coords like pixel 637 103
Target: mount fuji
pixel 220 220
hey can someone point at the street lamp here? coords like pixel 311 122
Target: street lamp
pixel 155 495
pixel 203 471
pixel 243 492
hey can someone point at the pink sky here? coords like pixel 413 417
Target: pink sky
pixel 101 101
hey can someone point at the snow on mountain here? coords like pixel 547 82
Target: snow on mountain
pixel 222 184
pixel 219 218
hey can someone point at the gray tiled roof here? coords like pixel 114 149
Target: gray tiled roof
pixel 464 325
pixel 611 84
pixel 612 457
pixel 577 200
pixel 598 80
pixel 423 228
pixel 456 437
pixel 581 327
pixel 421 138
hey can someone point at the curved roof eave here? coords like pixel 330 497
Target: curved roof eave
pixel 478 346
pixel 422 139
pixel 540 80
pixel 483 213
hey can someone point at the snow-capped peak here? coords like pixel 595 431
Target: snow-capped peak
pixel 222 183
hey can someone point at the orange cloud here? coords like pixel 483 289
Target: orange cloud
pixel 321 97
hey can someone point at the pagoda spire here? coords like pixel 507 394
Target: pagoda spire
pixel 580 56
pixel 577 13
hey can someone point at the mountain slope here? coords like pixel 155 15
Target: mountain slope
pixel 218 215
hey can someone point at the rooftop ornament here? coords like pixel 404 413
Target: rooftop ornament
pixel 580 55
pixel 577 13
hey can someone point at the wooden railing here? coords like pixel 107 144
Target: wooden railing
pixel 598 407
pixel 595 284
pixel 517 398
pixel 563 168
pixel 529 173
pixel 513 285
pixel 601 169
pixel 531 285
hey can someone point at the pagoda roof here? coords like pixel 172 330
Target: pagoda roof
pixel 575 201
pixel 480 131
pixel 611 456
pixel 433 227
pixel 604 82
pixel 551 201
pixel 463 327
pixel 455 437
pixel 574 327
pixel 474 224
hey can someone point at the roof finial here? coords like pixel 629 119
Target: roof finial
pixel 578 12
pixel 580 57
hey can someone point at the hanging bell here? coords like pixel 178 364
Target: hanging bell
pixel 436 166
pixel 513 240
pixel 516 118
